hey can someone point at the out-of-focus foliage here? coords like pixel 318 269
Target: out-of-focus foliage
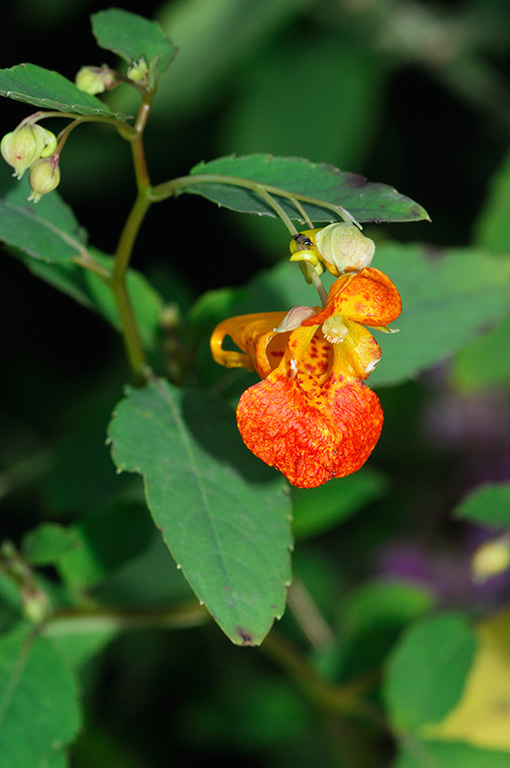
pixel 411 93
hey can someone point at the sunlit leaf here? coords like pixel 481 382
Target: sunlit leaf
pixel 223 514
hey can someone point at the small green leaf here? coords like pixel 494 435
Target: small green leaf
pixel 318 509
pixel 489 504
pixel 133 37
pixel 39 713
pixel 427 670
pixel 366 201
pixel 223 514
pixel 48 543
pixel 50 90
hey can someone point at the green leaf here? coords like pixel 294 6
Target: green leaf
pixel 296 94
pixel 223 515
pixel 50 90
pixel 105 540
pixel 39 713
pixel 48 543
pixel 489 504
pixel 215 40
pixel 417 753
pixel 46 230
pixel 485 362
pixel 49 238
pixel 492 228
pixel 448 299
pixel 319 509
pixel 427 670
pixel 133 37
pixel 366 201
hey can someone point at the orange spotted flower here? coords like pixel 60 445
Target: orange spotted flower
pixel 312 416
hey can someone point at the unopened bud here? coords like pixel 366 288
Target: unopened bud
pixel 93 80
pixel 44 177
pixel 24 146
pixel 343 248
pixel 138 72
pixel 491 559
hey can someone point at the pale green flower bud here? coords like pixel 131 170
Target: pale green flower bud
pixel 343 248
pixel 44 177
pixel 23 146
pixel 138 72
pixel 94 80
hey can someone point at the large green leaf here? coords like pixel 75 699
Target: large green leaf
pixel 50 90
pixel 366 201
pixel 39 713
pixel 427 670
pixel 449 298
pixel 489 504
pixel 223 514
pixel 485 362
pixel 133 37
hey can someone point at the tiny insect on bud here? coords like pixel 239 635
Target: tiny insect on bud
pixel 25 145
pixel 44 177
pixel 94 80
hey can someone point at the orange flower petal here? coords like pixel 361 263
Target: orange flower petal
pixel 254 334
pixel 368 297
pixel 310 434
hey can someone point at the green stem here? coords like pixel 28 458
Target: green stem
pixel 172 187
pixel 118 286
pixel 70 622
pixel 118 282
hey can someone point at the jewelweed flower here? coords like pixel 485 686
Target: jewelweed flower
pixel 312 416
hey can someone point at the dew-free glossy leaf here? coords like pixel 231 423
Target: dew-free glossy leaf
pixel 223 515
pixel 488 504
pixel 132 37
pixel 39 713
pixel 427 670
pixel 419 753
pixel 366 201
pixel 50 90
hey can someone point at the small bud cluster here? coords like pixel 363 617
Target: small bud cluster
pixel 32 148
pixel 94 80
